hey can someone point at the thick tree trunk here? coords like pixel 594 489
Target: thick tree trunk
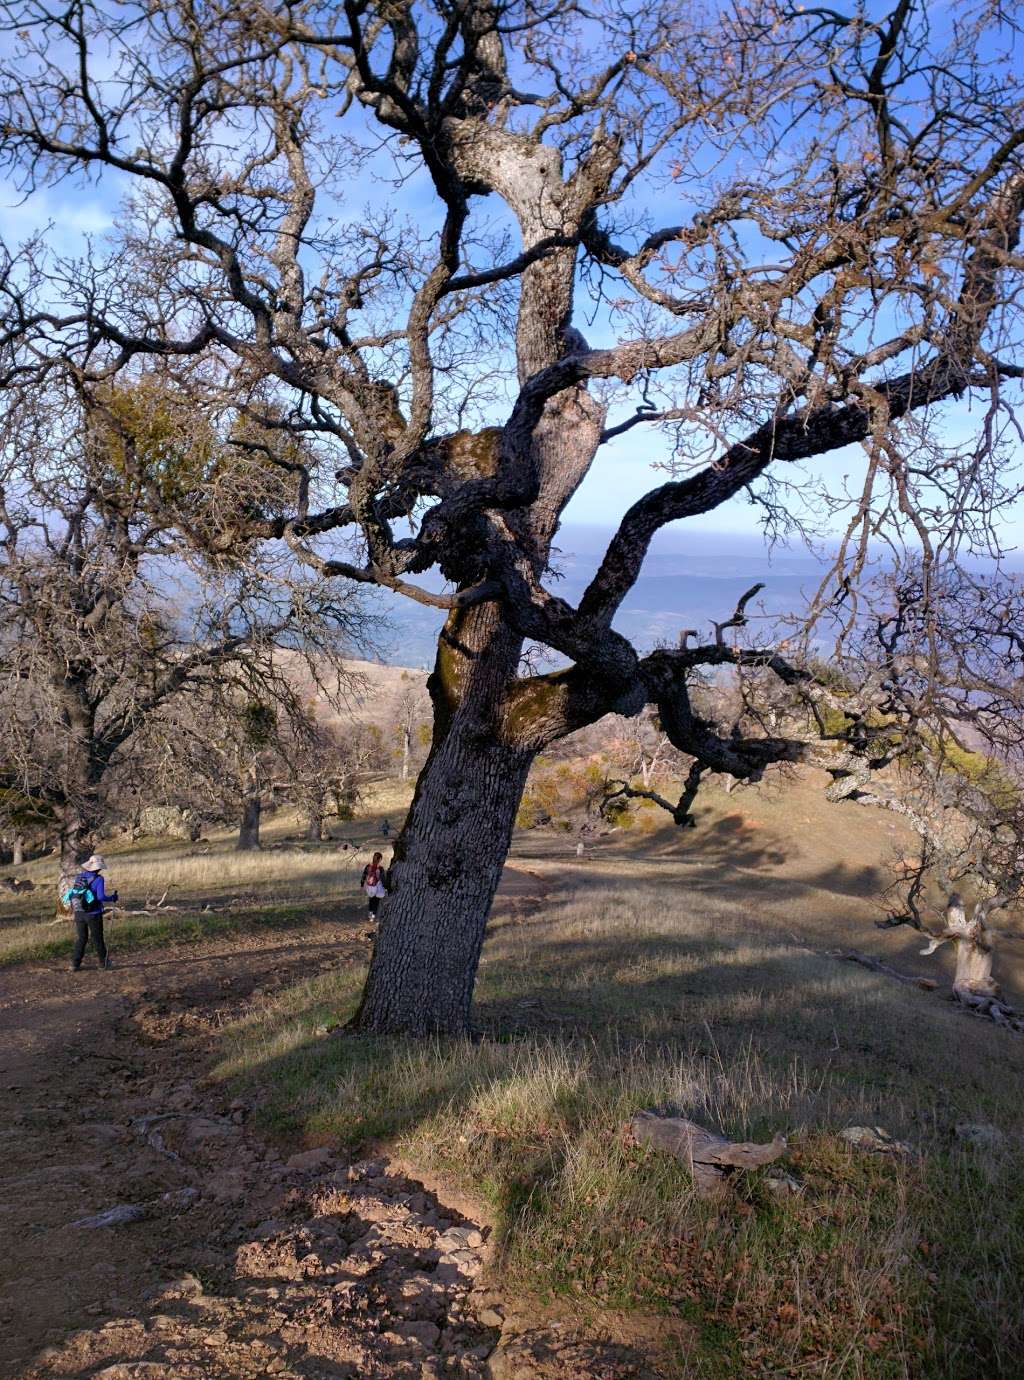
pixel 18 851
pixel 86 758
pixel 249 828
pixel 315 825
pixel 74 843
pixel 432 925
pixel 450 854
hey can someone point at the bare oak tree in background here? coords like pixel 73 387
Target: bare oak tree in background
pixel 238 743
pixel 935 682
pixel 325 767
pixel 919 712
pixel 103 625
pixel 412 707
pixel 392 226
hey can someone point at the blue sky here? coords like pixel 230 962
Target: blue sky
pixel 626 469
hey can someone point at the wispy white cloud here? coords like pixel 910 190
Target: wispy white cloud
pixel 67 213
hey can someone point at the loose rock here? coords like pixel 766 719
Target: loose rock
pixel 783 1185
pixel 981 1134
pixel 118 1216
pixel 875 1139
pixel 309 1159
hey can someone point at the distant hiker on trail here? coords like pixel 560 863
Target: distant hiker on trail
pixel 385 828
pixel 374 883
pixel 86 897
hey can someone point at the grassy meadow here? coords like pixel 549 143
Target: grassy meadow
pixel 195 891
pixel 694 969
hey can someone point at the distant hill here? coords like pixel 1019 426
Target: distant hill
pixel 372 695
pixel 688 580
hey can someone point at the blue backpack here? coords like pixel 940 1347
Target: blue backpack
pixel 80 896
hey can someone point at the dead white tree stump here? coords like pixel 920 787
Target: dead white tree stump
pixel 974 985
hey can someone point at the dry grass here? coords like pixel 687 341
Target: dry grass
pixel 206 888
pixel 204 894
pixel 218 870
pixel 861 1275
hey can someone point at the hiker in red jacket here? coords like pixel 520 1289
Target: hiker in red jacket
pixel 374 883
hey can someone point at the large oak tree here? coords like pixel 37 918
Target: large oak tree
pixel 402 218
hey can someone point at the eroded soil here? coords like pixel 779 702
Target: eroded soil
pixel 229 1256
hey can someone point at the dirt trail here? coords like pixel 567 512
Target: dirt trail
pixel 243 1259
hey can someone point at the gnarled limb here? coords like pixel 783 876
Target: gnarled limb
pixel 680 811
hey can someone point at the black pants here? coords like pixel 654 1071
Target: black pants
pixel 372 903
pixel 89 927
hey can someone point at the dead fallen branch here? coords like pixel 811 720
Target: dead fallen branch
pixel 990 1008
pixel 153 910
pixel 205 909
pixel 712 1159
pixel 151 907
pixel 977 995
pixel 877 966
pixel 145 1128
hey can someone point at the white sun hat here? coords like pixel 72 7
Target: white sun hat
pixel 94 864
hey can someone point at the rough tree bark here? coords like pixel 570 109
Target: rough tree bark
pixel 77 829
pixel 249 826
pixel 315 824
pixel 449 856
pixel 80 810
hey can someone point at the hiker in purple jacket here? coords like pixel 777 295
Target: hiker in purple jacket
pixel 89 916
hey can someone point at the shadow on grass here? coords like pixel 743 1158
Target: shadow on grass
pixel 579 1031
pixel 727 842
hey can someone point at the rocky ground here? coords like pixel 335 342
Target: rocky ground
pixel 150 1231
